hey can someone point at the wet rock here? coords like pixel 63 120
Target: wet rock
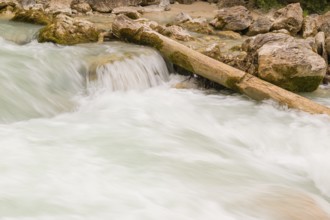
pixel 289 18
pixel 285 61
pixel 291 67
pixel 32 16
pixel 260 26
pixel 236 18
pixel 190 83
pixel 309 28
pixel 68 31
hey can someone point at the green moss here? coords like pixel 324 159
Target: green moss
pixel 181 60
pixel 314 5
pixel 301 84
pixel 32 16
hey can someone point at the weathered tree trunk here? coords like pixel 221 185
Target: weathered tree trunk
pixel 255 88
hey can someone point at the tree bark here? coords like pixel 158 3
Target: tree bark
pixel 232 78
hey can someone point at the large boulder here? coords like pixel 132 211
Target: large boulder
pixel 285 61
pixel 289 18
pixel 68 31
pixel 107 5
pixel 237 18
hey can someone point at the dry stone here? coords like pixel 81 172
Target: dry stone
pixel 289 18
pixel 236 18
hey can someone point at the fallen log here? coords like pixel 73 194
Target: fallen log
pixel 128 30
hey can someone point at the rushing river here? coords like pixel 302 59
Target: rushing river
pixel 98 132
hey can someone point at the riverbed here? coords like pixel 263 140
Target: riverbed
pixel 127 145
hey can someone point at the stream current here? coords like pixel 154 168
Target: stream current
pixel 97 131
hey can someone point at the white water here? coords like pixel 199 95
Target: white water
pixel 71 149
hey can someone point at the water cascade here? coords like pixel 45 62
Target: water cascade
pixel 125 71
pixel 96 131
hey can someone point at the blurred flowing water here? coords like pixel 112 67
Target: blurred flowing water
pixel 96 131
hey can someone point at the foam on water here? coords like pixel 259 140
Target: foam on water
pixel 129 71
pixel 72 149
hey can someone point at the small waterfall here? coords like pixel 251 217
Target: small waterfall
pixel 128 71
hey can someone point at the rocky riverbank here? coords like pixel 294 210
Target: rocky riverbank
pixel 283 46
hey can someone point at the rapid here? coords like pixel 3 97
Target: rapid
pixel 97 131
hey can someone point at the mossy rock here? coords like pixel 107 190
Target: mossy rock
pixel 69 33
pixel 291 66
pixel 301 84
pixel 49 34
pixel 32 16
